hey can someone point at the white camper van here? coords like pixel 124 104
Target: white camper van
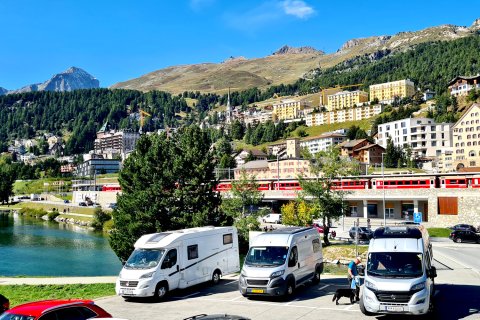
pixel 399 276
pixel 279 261
pixel 178 259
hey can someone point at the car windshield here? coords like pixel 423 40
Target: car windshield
pixel 12 316
pixel 266 256
pixel 395 264
pixel 144 258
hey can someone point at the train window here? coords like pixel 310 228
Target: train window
pixel 414 182
pixel 423 182
pixel 453 181
pixel 461 181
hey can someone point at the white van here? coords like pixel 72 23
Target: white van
pixel 272 218
pixel 399 276
pixel 279 261
pixel 178 259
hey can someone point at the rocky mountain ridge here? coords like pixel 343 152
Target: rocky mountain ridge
pixel 287 64
pixel 71 79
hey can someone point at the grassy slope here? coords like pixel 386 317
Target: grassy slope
pixel 18 294
pixel 49 207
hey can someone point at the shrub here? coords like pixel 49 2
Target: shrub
pixel 99 218
pixel 52 215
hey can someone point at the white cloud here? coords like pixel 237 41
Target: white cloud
pixel 297 8
pixel 267 13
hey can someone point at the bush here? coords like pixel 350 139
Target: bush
pixel 99 218
pixel 52 215
pixel 31 212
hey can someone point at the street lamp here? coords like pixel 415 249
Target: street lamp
pixel 383 187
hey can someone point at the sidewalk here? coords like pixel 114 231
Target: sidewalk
pixel 57 280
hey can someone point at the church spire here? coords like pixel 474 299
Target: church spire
pixel 229 109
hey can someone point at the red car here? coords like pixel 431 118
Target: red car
pixel 73 309
pixel 318 227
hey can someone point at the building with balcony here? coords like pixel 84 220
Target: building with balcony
pixel 343 115
pixel 97 166
pixel 388 91
pixel 115 142
pixel 288 109
pixel 461 85
pixel 322 142
pixel 466 139
pixel 346 99
pixel 257 117
pixel 426 137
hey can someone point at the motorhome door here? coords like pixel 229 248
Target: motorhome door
pixel 171 269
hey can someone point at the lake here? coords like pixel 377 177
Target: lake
pixel 34 247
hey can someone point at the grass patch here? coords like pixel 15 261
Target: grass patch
pixel 18 294
pixel 49 207
pixel 28 187
pixel 78 218
pixel 344 252
pixel 336 269
pixel 439 232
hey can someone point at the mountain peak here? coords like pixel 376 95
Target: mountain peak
pixel 301 50
pixel 71 79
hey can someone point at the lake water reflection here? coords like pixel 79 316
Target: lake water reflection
pixel 34 247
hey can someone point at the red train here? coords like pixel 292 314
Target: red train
pixel 111 187
pixel 376 183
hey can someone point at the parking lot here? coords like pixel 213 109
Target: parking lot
pixel 457 295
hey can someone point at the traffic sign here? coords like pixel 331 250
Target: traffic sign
pixel 417 217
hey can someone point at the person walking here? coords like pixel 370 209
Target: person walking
pixel 352 274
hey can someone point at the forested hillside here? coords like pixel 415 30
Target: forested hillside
pixel 430 65
pixel 79 114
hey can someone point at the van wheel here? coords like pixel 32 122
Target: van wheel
pixel 216 277
pixel 161 291
pixel 290 289
pixel 362 308
pixel 316 276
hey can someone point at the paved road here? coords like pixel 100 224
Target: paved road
pixel 457 296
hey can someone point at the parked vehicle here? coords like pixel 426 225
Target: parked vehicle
pixel 34 197
pixel 399 277
pixel 318 227
pixel 112 205
pixel 464 236
pixel 272 218
pixel 82 204
pixel 66 201
pixel 279 261
pixel 165 261
pixel 4 303
pixel 56 309
pixel 463 226
pixel 364 233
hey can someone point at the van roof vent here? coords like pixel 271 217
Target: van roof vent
pixel 157 237
pixel 397 232
pixel 290 230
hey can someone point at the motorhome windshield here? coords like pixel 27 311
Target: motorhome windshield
pixel 144 258
pixel 395 264
pixel 266 256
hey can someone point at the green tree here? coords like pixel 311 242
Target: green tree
pixel 244 196
pixel 238 130
pixel 167 184
pixel 326 203
pixel 7 178
pixel 297 213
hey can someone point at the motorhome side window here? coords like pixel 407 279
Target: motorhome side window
pixel 292 260
pixel 170 259
pixel 316 245
pixel 192 252
pixel 227 238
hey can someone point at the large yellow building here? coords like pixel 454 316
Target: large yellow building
pixel 287 109
pixel 346 99
pixel 466 139
pixel 386 92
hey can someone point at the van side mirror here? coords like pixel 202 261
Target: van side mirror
pixel 432 273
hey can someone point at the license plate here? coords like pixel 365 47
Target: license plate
pixel 258 291
pixel 394 309
pixel 126 291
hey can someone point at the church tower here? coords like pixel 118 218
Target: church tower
pixel 228 112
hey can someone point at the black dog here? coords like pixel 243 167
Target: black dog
pixel 348 293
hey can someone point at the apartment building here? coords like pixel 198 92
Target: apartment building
pixel 343 115
pixel 445 161
pixel 466 139
pixel 116 141
pixel 426 137
pixel 346 99
pixel 97 166
pixel 258 117
pixel 288 109
pixel 386 92
pixel 322 142
pixel 461 85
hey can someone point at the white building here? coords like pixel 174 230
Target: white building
pixel 426 138
pixel 343 115
pixel 322 142
pixel 258 117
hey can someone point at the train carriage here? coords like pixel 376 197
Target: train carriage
pixel 403 183
pixel 350 184
pixel 454 182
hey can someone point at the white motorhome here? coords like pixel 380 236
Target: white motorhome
pixel 279 261
pixel 399 276
pixel 165 261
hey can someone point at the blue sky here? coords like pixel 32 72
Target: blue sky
pixel 117 40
